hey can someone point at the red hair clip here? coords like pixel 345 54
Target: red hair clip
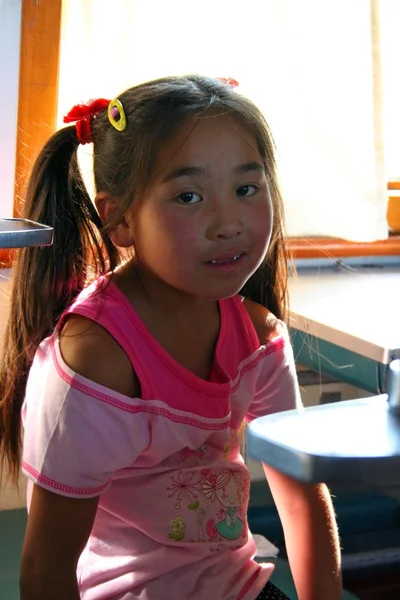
pixel 83 114
pixel 229 80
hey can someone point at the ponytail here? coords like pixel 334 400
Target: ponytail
pixel 46 280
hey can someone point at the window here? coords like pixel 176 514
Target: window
pixel 38 65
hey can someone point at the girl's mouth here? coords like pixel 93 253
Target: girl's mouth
pixel 219 261
pixel 227 264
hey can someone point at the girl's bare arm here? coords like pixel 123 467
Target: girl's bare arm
pixel 311 536
pixel 59 527
pixel 306 512
pixel 57 531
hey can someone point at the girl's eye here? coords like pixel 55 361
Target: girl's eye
pixel 189 198
pixel 246 190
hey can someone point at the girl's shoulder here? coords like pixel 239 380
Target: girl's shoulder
pixel 88 341
pixel 89 350
pixel 266 325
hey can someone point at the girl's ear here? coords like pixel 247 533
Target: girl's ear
pixel 119 233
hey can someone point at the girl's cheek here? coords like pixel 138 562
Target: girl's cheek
pixel 182 230
pixel 262 227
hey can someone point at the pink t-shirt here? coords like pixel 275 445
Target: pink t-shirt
pixel 174 489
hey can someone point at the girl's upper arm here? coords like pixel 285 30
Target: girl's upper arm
pixel 59 526
pixel 264 322
pixel 277 387
pixel 57 531
pixel 89 350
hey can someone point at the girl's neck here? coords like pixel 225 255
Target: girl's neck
pixel 186 327
pixel 144 288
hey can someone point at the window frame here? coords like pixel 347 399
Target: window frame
pixel 37 94
pixel 37 119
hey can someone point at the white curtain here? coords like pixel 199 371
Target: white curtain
pixel 313 66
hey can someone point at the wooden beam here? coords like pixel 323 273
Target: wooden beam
pixel 38 85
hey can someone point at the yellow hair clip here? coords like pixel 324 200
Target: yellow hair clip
pixel 116 115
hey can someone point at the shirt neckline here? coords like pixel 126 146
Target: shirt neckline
pixel 184 374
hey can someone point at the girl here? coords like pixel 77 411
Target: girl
pixel 144 360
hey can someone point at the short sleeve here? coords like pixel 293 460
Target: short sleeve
pixel 277 387
pixel 77 434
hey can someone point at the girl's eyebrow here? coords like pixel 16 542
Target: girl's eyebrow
pixel 187 171
pixel 247 167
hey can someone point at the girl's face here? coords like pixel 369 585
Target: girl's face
pixel 204 224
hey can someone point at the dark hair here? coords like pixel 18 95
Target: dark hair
pixel 46 280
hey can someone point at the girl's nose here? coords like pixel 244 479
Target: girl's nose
pixel 225 223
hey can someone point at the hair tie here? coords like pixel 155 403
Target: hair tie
pixel 83 115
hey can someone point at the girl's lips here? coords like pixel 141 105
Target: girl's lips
pixel 226 265
pixel 229 256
